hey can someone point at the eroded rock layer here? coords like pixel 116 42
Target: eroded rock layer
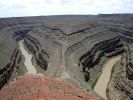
pixel 74 48
pixel 121 83
pixel 10 57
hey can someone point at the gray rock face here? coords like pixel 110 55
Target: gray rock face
pixel 121 84
pixel 74 48
pixel 9 55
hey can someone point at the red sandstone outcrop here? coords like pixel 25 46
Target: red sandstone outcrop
pixel 40 87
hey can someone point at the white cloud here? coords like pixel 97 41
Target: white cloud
pixel 11 8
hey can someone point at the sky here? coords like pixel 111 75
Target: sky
pixel 17 8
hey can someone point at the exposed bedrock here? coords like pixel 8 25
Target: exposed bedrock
pixel 107 48
pixel 20 34
pixel 7 70
pixel 79 55
pixel 129 70
pixel 72 54
pixel 121 84
pixel 10 56
pixel 129 63
pixel 47 51
pixel 34 46
pixel 73 48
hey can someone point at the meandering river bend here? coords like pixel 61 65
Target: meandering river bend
pixel 103 80
pixel 30 68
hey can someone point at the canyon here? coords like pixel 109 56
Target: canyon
pixel 101 85
pixel 30 68
pixel 73 48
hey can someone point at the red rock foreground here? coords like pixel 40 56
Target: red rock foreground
pixel 40 87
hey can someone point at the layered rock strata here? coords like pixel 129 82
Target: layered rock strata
pixel 73 48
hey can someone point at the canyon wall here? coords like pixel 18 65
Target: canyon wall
pixel 72 48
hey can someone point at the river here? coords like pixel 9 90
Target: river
pixel 103 80
pixel 28 57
